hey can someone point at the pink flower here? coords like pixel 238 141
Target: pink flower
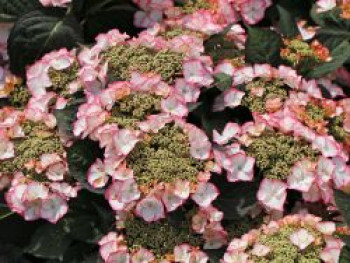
pixel 96 175
pixel 327 145
pixel 150 209
pixel 190 45
pixel 119 256
pixel 6 149
pixel 142 256
pixel 260 250
pixel 233 98
pixel 53 208
pixel 326 228
pixel 147 19
pixel 242 168
pixel 125 140
pixel 206 193
pixel 202 21
pixel 230 131
pixel 307 33
pixel 302 238
pixel 121 193
pixel 253 11
pixel 189 92
pixel 57 171
pixel 186 254
pixel 57 3
pixel 272 194
pixel 182 253
pixel 175 106
pixel 325 5
pixel 171 201
pixel 302 176
pixel 198 72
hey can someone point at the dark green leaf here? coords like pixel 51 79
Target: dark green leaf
pixel 334 29
pixel 5 212
pixel 339 56
pixel 236 199
pixel 287 23
pixel 11 10
pixel 102 16
pixel 345 255
pixel 219 47
pixel 342 201
pixel 346 239
pixel 223 81
pixel 66 117
pixel 81 155
pixel 263 46
pixel 39 32
pixel 50 242
pixel 82 227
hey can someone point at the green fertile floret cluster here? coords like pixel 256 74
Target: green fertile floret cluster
pixel 123 60
pixel 62 78
pixel 283 251
pixel 160 237
pixel 38 140
pixel 275 153
pixel 315 112
pixel 192 6
pixel 272 89
pixel 336 129
pixel 19 96
pixel 164 157
pixel 130 110
pixel 300 54
pixel 176 31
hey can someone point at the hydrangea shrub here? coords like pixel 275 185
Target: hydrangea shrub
pixel 168 131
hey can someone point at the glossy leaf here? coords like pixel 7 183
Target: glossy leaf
pixel 263 46
pixel 11 10
pixel 39 32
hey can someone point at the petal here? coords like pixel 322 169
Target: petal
pixel 302 176
pixel 206 193
pixel 302 238
pixel 96 175
pixel 233 98
pixel 150 209
pixel 125 140
pixel 54 208
pixel 272 194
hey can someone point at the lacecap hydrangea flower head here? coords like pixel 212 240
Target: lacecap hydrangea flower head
pixel 207 16
pixel 294 238
pixel 55 73
pixel 262 88
pixel 155 158
pixel 167 240
pixel 287 156
pixel 33 166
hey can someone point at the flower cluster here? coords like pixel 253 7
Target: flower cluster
pixel 207 16
pixel 33 165
pixel 201 139
pixel 295 238
pixel 162 241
